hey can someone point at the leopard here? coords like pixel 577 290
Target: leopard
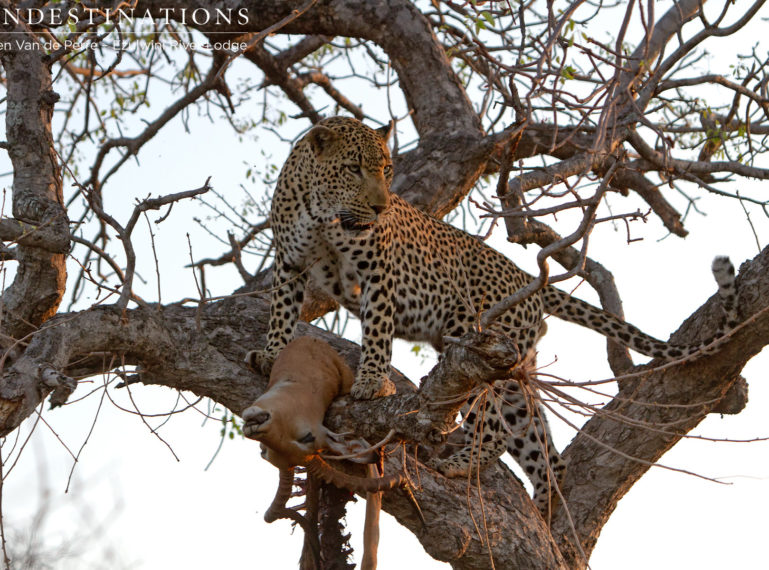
pixel 405 273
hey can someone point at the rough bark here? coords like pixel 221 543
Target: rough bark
pixel 39 223
pixel 201 349
pixel 174 351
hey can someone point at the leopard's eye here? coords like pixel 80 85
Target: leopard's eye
pixel 388 170
pixel 354 168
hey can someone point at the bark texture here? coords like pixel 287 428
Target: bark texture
pixel 39 223
pixel 181 348
pixel 200 349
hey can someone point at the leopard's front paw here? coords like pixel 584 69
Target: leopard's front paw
pixel 370 387
pixel 260 360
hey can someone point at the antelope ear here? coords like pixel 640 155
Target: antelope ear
pixel 322 141
pixel 384 132
pixel 348 445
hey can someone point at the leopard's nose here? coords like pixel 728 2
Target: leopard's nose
pixel 378 208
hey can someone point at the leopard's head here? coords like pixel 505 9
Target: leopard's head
pixel 352 172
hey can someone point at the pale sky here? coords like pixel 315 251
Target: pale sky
pixel 160 513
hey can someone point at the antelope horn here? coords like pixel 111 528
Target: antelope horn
pixel 317 467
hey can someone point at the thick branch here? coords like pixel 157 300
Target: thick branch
pixel 598 476
pixel 45 237
pixel 175 349
pixel 37 192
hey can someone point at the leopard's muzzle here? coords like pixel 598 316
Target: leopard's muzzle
pixel 351 223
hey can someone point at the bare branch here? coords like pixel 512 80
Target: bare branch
pixel 709 377
pixel 690 167
pixel 543 278
pixel 45 236
pixel 229 256
pixel 276 74
pixel 124 232
pixel 134 144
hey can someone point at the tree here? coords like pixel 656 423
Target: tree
pixel 530 101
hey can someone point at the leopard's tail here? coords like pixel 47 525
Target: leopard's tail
pixel 576 311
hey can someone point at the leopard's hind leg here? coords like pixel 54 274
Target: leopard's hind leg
pixel 531 444
pixel 507 422
pixel 483 444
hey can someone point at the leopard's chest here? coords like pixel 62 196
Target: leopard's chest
pixel 419 276
pixel 336 275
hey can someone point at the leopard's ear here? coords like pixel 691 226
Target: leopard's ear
pixel 322 140
pixel 384 132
